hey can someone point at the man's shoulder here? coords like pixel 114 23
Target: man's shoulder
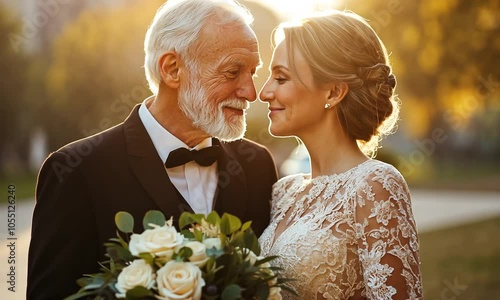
pixel 103 141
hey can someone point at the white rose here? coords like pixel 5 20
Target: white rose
pixel 139 273
pixel 199 257
pixel 213 242
pixel 160 241
pixel 179 281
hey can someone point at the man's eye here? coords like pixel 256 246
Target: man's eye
pixel 233 73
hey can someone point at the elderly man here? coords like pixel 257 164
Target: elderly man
pixel 181 149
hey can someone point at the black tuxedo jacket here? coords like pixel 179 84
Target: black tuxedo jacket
pixel 83 185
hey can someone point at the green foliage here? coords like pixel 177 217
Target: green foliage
pixel 124 222
pixel 229 224
pixel 15 112
pixel 139 293
pixel 233 271
pixel 232 292
pixel 154 217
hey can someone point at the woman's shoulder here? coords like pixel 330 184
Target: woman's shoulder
pixel 380 178
pixel 288 184
pixel 375 170
pixel 288 180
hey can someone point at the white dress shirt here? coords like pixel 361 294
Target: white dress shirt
pixel 197 184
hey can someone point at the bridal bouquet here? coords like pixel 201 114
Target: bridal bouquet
pixel 212 257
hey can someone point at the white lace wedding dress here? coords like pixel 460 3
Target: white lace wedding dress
pixel 347 236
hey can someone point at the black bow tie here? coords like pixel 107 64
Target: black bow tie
pixel 204 157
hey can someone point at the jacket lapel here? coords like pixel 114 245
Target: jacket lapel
pixel 232 194
pixel 148 167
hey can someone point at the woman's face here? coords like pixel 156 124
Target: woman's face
pixel 296 103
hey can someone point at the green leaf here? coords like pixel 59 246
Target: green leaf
pixel 246 225
pixel 80 295
pixel 124 222
pixel 252 242
pixel 138 293
pixel 229 223
pixel 186 219
pixel 198 235
pixel 153 217
pixel 213 218
pixel 187 234
pixel 183 254
pixel 148 257
pixel 119 253
pixel 84 281
pixel 263 292
pixel 232 292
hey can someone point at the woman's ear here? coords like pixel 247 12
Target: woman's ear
pixel 169 69
pixel 337 92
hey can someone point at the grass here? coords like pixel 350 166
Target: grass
pixel 24 183
pixel 467 256
pixel 483 176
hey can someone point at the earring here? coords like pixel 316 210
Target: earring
pixel 327 105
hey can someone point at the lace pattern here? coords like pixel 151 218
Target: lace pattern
pixel 349 236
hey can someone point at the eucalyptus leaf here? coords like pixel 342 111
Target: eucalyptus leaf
pixel 231 292
pixel 155 217
pixel 124 222
pixel 183 254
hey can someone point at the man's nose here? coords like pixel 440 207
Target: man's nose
pixel 247 89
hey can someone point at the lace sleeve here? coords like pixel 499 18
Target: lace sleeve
pixel 387 238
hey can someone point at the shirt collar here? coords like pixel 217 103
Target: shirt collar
pixel 163 140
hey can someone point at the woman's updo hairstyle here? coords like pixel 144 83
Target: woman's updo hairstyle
pixel 342 47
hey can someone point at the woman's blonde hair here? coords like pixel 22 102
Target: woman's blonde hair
pixel 342 47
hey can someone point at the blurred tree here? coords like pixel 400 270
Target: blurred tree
pixel 14 113
pixel 96 74
pixel 445 55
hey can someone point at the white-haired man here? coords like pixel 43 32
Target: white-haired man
pixel 181 149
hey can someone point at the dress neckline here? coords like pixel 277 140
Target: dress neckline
pixel 308 175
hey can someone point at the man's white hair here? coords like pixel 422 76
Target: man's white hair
pixel 176 27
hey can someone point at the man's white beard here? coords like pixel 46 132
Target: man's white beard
pixel 205 115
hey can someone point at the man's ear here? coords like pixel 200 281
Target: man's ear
pixel 169 69
pixel 337 92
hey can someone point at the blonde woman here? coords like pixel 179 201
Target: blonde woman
pixel 345 231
